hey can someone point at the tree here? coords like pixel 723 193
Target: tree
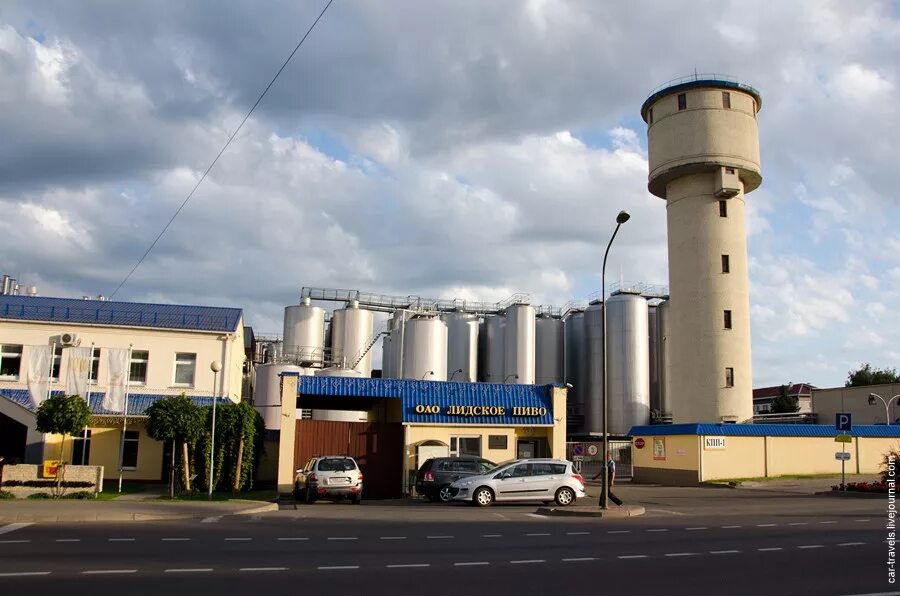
pixel 867 375
pixel 62 415
pixel 179 420
pixel 239 434
pixel 785 403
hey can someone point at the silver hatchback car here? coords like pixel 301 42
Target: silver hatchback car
pixel 522 480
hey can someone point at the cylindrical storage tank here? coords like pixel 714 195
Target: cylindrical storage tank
pixel 549 351
pixel 337 336
pixel 387 372
pixel 304 333
pixel 576 371
pixel 397 326
pixel 593 392
pixel 462 346
pixel 494 348
pixel 425 349
pixel 357 326
pixel 662 341
pixel 339 415
pixel 267 393
pixel 653 330
pixel 519 345
pixel 337 371
pixel 629 362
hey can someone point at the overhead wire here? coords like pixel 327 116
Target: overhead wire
pixel 221 151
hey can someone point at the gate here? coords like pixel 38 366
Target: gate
pixel 588 458
pixel 376 446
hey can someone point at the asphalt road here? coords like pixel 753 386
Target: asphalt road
pixel 375 549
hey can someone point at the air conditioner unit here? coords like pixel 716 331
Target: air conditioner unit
pixel 69 339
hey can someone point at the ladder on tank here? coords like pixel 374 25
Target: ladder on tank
pixel 365 349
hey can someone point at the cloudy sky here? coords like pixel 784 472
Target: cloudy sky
pixel 452 149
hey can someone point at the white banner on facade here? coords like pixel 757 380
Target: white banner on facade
pixel 77 371
pixel 38 375
pixel 114 400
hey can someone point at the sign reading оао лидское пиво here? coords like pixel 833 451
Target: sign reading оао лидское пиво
pixel 518 408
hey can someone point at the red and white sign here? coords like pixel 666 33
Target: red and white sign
pixel 593 450
pixel 639 443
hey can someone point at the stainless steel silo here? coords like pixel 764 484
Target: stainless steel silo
pixel 549 351
pixel 267 392
pixel 338 319
pixel 629 362
pixel 304 333
pixel 352 331
pixel 387 371
pixel 425 349
pixel 663 314
pixel 518 365
pixel 462 346
pixel 593 392
pixel 653 330
pixel 495 348
pixel 576 371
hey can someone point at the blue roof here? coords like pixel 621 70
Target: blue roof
pixel 119 314
pixel 759 430
pixel 137 402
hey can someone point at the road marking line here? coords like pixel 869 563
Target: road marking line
pixel 120 540
pixel 700 528
pixel 336 567
pixel 263 569
pixel 535 515
pixel 438 537
pixel 812 546
pixel 237 539
pixel 723 552
pixel 730 527
pixel 195 570
pixel 579 559
pixel 24 573
pixel 68 540
pixel 862 520
pixel 528 561
pixel 539 534
pixel 577 533
pixel 293 538
pixel 492 535
pixel 211 520
pixel 619 532
pixel 766 525
pixel 392 537
pixel 680 554
pixel 13 527
pixel 108 571
pixel 175 539
pixel 343 538
pixel 14 541
pixel 659 530
pixel 471 563
pixel 828 522
pixel 408 565
pixel 851 543
pixel 798 524
pixel 632 557
pixel 770 549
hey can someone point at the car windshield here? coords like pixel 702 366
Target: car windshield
pixel 502 464
pixel 335 464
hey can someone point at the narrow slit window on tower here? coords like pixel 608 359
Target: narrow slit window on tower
pixel 723 208
pixel 650 116
pixel 727 319
pixel 682 101
pixel 729 377
pixel 726 264
pixel 726 100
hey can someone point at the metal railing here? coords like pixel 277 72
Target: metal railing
pixel 703 76
pixel 388 303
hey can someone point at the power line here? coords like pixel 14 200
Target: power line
pixel 224 147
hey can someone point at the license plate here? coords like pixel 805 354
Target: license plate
pixel 340 480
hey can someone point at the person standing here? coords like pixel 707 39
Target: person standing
pixel 610 479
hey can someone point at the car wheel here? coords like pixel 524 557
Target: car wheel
pixel 356 499
pixel 298 495
pixel 565 496
pixel 444 494
pixel 483 496
pixel 309 495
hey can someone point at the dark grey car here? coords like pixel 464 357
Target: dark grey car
pixel 435 476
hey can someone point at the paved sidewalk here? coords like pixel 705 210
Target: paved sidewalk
pixel 117 511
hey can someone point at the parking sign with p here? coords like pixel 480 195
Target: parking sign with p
pixel 842 421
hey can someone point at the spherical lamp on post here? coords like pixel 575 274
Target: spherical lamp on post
pixel 215 366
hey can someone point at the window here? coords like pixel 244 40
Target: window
pixel 465 445
pixel 130 449
pixel 95 365
pixel 138 369
pixel 497 442
pixel 726 264
pixel 723 209
pixel 682 101
pixel 185 365
pixel 467 466
pixel 729 377
pixel 548 469
pixel 726 100
pixel 650 116
pixel 727 319
pixel 10 361
pixel 729 171
pixel 54 365
pixel 336 464
pixel 485 466
pixel 519 471
pixel 81 449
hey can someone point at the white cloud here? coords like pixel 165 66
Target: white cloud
pixel 858 84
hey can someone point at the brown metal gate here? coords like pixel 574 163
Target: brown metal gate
pixel 376 446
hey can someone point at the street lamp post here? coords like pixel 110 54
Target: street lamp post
pixel 621 218
pixel 887 405
pixel 430 372
pixel 453 374
pixel 508 377
pixel 215 366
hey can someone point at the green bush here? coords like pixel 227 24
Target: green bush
pixel 82 494
pixel 49 483
pixel 38 496
pixel 5 494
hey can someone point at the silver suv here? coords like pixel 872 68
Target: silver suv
pixel 329 477
pixel 522 480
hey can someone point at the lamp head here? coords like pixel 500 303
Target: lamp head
pixel 215 366
pixel 622 217
pixel 871 399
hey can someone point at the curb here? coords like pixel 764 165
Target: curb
pixel 850 494
pixel 617 513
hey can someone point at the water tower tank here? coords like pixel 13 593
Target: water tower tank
pixel 425 349
pixel 549 351
pixel 629 362
pixel 267 394
pixel 304 333
pixel 519 345
pixel 462 346
pixel 494 348
pixel 576 369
